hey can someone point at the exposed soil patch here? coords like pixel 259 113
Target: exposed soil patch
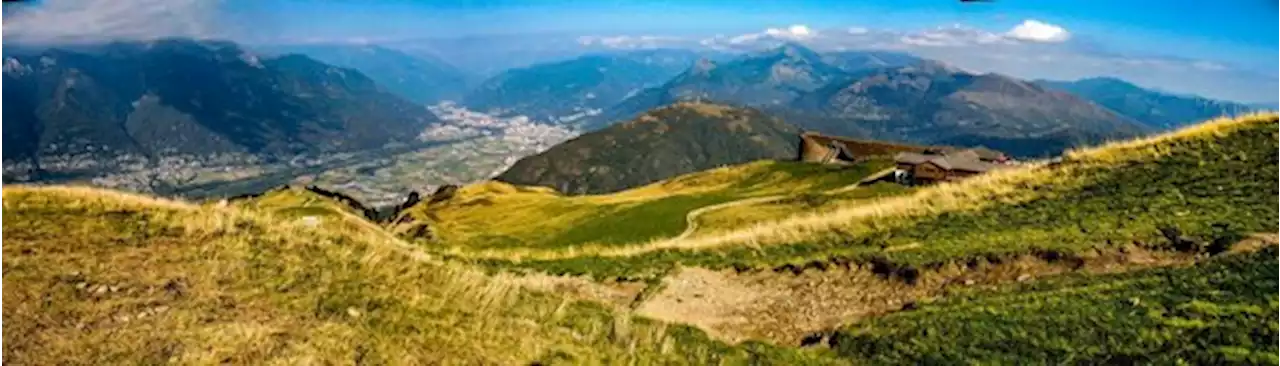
pixel 778 307
pixel 619 294
pixel 788 308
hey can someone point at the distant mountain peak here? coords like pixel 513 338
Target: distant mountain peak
pixel 933 103
pixel 1265 106
pixel 933 67
pixel 419 78
pixel 657 144
pixel 194 98
pixel 698 105
pixel 795 51
pixel 1108 82
pixel 568 90
pixel 1153 108
pixel 703 66
pixel 853 61
pixel 1108 79
pixel 773 77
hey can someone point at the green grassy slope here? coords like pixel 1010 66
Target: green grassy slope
pixel 1219 312
pixel 1181 191
pixel 98 277
pixel 799 202
pixel 495 215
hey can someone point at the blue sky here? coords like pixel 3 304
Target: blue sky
pixel 1229 42
pixel 1225 32
pixel 1156 25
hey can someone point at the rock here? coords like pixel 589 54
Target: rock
pixel 101 289
pixel 422 231
pixel 353 312
pixel 812 339
pixel 404 219
pixel 1024 277
pixel 969 282
pixel 411 200
pixel 311 221
pixel 443 193
pixel 176 287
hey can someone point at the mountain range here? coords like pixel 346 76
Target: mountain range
pixel 665 142
pixel 193 97
pixel 208 97
pixel 420 78
pixel 569 90
pixel 852 61
pixel 1152 108
pixel 933 103
pixel 890 96
pixel 771 78
pixel 1272 106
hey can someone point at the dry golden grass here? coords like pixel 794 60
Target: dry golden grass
pixel 92 197
pixel 1152 148
pixel 97 277
pixel 706 109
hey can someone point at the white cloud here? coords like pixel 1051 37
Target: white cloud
pixel 628 42
pixel 857 30
pixel 952 36
pixel 1037 31
pixel 746 38
pixel 957 35
pixel 793 33
pixel 1208 66
pixel 97 20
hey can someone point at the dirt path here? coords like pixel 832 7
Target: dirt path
pixel 691 219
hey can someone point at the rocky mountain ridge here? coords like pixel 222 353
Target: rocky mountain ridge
pixel 194 97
